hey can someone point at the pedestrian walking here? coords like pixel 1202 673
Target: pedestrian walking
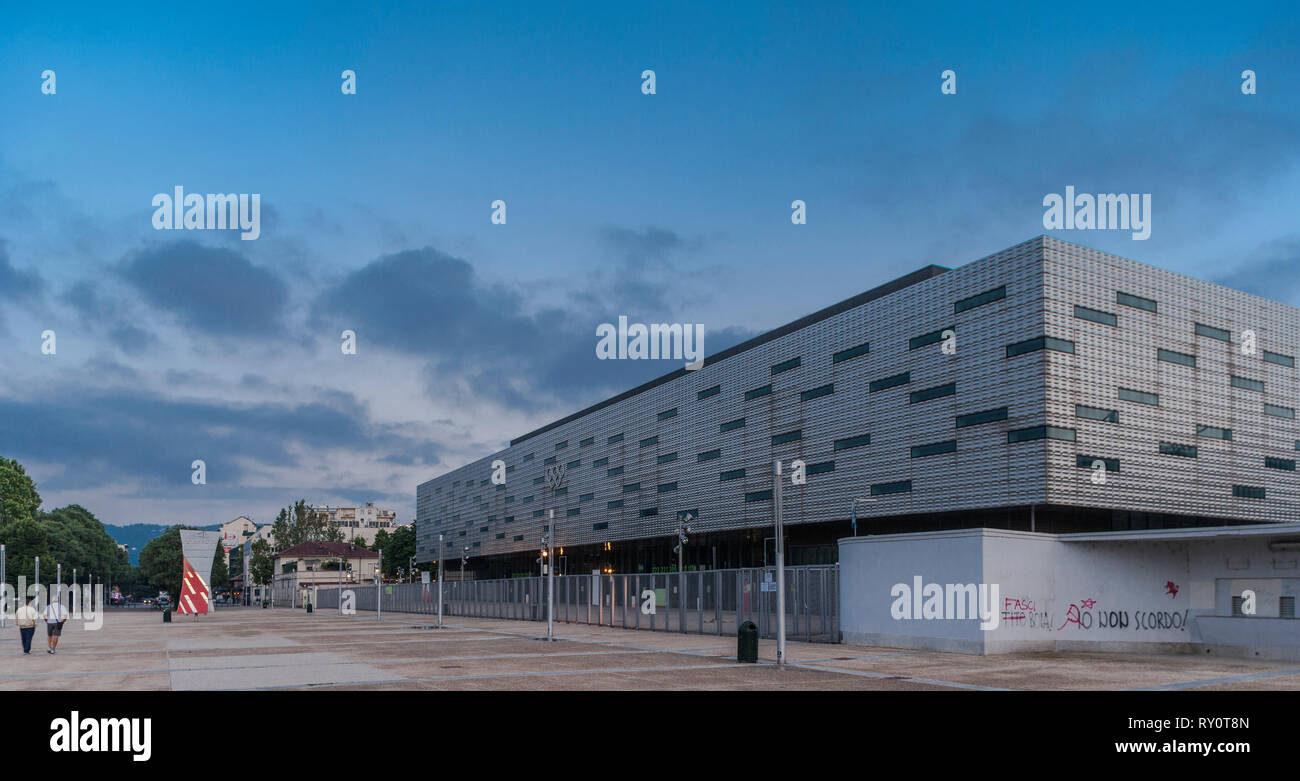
pixel 55 616
pixel 26 617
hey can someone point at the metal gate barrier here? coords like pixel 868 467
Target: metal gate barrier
pixel 709 602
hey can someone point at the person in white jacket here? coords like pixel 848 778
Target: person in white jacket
pixel 26 617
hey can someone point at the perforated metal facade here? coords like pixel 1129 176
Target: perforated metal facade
pixel 1024 298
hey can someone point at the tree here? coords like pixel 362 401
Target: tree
pixel 161 561
pixel 300 523
pixel 261 564
pixel 78 540
pixel 399 549
pixel 220 573
pixel 18 497
pixel 381 544
pixel 25 540
pixel 359 541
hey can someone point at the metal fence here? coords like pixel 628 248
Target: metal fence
pixel 711 602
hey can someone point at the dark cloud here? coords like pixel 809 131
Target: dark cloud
pixel 482 338
pixel 16 285
pixel 215 291
pixel 112 436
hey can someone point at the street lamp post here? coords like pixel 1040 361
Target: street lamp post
pixel 379 588
pixel 853 512
pixel 4 590
pixel 683 529
pixel 780 565
pixel 340 591
pixel 440 552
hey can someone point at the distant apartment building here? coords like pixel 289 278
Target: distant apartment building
pixel 308 565
pixel 364 522
pixel 234 533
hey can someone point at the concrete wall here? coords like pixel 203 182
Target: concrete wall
pixel 1064 593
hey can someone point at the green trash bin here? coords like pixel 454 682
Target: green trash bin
pixel 309 608
pixel 167 615
pixel 747 642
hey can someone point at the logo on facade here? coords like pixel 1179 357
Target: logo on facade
pixel 555 475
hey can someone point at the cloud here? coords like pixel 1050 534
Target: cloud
pixel 213 290
pixel 15 284
pixel 1271 271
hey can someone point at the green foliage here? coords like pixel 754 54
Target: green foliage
pixel 398 546
pixel 18 497
pixel 161 561
pixel 220 575
pixel 261 564
pixel 299 523
pixel 24 540
pixel 78 540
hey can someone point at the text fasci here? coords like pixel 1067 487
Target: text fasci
pixel 96 735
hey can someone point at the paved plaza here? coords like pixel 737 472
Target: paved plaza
pixel 255 649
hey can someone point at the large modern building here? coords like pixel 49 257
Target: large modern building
pixel 1048 388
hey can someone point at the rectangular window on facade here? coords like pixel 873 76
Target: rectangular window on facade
pixel 1279 463
pixel 510 499
pixel 936 392
pixel 987 297
pixel 1248 384
pixel 527 499
pixel 1248 492
pixel 519 538
pixel 600 526
pixel 852 352
pixel 1040 432
pixel 789 436
pixel 614 472
pixel 539 480
pixel 1040 343
pixel 890 382
pixel 599 462
pixel 934 337
pixel 482 528
pixel 1169 356
pixel 664 488
pixel 573 511
pixel 574 464
pixel 1214 333
pixel 649 512
pixel 755 393
pixel 614 505
pixel 1086 462
pixel 614 439
pixel 1141 397
pixel 848 442
pixel 538 513
pixel 1175 449
pixel 976 418
pixel 937 448
pixel 561 445
pixel 509 519
pixel 648 441
pixel 1279 359
pixel 759 496
pixel 709 455
pixel 528 457
pixel 785 366
pixel 1095 315
pixel 732 426
pixel 734 474
pixel 1213 432
pixel 586 497
pixel 549 461
pixel 818 468
pixel 631 488
pixel 899 487
pixel 1096 413
pixel 587 441
pixel 501 535
pixel 707 392
pixel 667 458
pixel 562 491
pixel 1135 301
pixel 1279 412
pixel 817 393
pixel 668 413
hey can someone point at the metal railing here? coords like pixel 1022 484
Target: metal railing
pixel 713 602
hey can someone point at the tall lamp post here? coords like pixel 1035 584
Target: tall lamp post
pixel 440 552
pixel 853 512
pixel 780 565
pixel 683 529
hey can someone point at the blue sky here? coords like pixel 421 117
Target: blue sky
pixel 673 207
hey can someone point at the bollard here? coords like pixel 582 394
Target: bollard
pixel 747 642
pixel 167 615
